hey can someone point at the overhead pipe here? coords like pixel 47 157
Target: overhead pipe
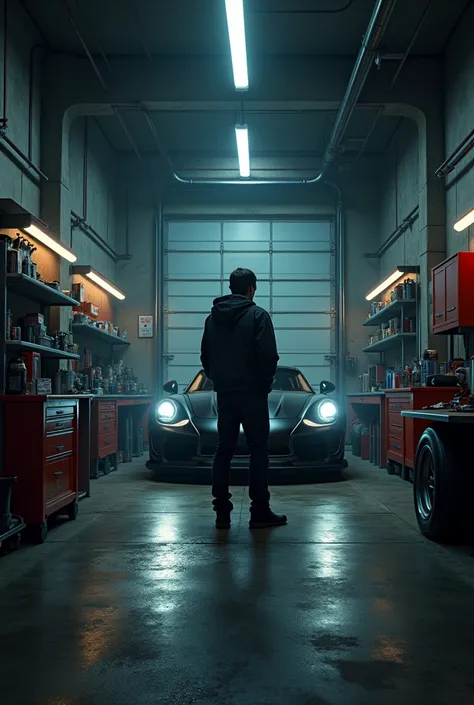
pixel 84 45
pixel 393 237
pixel 365 59
pixel 78 222
pixel 455 157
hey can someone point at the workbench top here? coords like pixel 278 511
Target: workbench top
pixel 381 393
pixel 117 397
pixel 442 415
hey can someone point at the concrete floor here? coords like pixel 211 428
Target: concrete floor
pixel 141 601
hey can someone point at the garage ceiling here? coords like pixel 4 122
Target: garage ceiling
pixel 274 27
pixel 203 143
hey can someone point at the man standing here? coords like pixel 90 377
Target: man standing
pixel 239 355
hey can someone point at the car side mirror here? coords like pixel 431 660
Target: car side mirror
pixel 327 388
pixel 171 387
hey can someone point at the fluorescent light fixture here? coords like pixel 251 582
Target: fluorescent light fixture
pixel 242 138
pixel 399 272
pixel 98 279
pixel 238 50
pixel 464 222
pixel 40 235
pixel 384 285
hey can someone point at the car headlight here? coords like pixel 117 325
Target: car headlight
pixel 323 413
pixel 326 411
pixel 166 411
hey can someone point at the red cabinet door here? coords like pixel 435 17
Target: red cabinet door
pixel 439 296
pixel 452 283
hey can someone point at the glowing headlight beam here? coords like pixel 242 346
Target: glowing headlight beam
pixel 166 411
pixel 327 411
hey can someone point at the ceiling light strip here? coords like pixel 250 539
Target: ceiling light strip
pixel 242 138
pixel 238 49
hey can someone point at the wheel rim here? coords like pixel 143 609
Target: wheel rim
pixel 426 485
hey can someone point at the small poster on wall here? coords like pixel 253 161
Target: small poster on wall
pixel 145 326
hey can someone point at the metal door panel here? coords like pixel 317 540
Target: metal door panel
pixel 301 265
pixel 315 320
pixel 192 288
pixel 190 303
pixel 194 265
pixel 301 304
pixel 246 231
pixel 194 231
pixel 308 288
pixel 257 262
pixel 315 232
pixel 296 341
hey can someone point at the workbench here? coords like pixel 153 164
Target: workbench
pixel 369 407
pixel 442 478
pixel 111 416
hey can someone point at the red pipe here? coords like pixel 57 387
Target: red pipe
pixel 455 157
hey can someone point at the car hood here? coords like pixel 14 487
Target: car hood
pixel 282 405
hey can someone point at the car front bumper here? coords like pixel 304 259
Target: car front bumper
pixel 292 446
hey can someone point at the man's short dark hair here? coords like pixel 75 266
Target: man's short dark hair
pixel 241 280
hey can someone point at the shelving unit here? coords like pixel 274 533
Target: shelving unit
pixel 403 306
pixel 83 330
pixel 390 341
pixel 16 346
pixel 30 288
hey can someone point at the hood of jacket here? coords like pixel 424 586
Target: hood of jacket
pixel 227 310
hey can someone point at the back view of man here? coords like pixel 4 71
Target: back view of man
pixel 239 355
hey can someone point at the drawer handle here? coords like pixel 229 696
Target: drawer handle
pixel 60 424
pixel 58 473
pixel 438 315
pixel 397 406
pixel 107 426
pixel 59 411
pixel 395 445
pixel 59 447
pixel 107 443
pixel 452 308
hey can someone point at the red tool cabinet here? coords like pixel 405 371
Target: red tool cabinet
pixel 41 450
pixel 104 433
pixel 453 280
pixel 403 434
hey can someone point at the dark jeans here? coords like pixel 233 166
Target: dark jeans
pixel 251 411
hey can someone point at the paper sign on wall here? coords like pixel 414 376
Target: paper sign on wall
pixel 145 326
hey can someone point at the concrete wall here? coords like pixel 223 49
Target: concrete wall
pixel 16 180
pixel 94 188
pixel 137 276
pixel 459 109
pixel 399 169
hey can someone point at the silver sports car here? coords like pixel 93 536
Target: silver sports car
pixel 307 429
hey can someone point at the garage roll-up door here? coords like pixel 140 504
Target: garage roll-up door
pixel 294 264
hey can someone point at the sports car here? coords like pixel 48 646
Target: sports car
pixel 307 428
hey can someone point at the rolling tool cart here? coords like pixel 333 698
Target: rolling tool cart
pixel 11 526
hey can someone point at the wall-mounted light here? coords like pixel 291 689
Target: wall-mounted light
pixel 399 272
pixel 242 139
pixel 14 217
pixel 88 271
pixel 238 50
pixel 465 221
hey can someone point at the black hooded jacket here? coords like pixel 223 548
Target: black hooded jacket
pixel 238 350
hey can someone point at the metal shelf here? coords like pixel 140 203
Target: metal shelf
pixel 38 291
pixel 83 330
pixel 17 346
pixel 386 313
pixel 389 342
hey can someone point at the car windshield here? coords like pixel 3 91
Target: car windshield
pixel 286 380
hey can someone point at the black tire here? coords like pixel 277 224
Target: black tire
pixel 73 510
pixel 439 486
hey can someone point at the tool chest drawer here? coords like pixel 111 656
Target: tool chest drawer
pixel 53 411
pixel 59 444
pixel 59 424
pixel 108 426
pixel 58 477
